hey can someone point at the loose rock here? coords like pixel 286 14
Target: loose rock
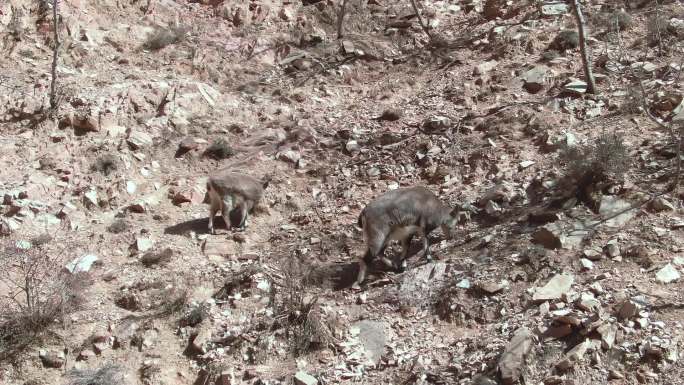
pixel 513 358
pixel 667 274
pixel 555 288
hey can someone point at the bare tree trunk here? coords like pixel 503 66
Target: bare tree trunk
pixel 340 19
pixel 420 19
pixel 584 50
pixel 53 83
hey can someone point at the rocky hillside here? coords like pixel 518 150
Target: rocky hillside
pixel 566 263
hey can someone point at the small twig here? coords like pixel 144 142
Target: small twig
pixel 420 19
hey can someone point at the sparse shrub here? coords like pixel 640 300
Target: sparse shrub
pixel 162 37
pixel 656 28
pixel 566 39
pixel 305 328
pixel 194 316
pixel 606 158
pixel 105 164
pixel 39 291
pixel 219 149
pixel 620 19
pixel 591 168
pixel 118 226
pixel 171 300
pixel 109 374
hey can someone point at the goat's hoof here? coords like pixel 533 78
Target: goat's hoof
pixel 402 266
pixel 356 286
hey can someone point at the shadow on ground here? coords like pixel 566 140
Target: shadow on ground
pixel 199 226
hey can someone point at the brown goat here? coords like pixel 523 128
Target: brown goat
pixel 230 191
pixel 399 215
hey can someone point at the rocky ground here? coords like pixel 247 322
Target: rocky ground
pixel 566 264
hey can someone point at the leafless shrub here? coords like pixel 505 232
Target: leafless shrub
pixel 605 159
pixel 194 316
pixel 620 20
pixel 219 149
pixel 305 327
pixel 109 374
pixel 164 36
pixel 566 39
pixel 118 226
pixel 38 291
pixel 656 30
pixel 105 164
pixel 15 26
pixel 446 304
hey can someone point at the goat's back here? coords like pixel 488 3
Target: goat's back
pixel 404 207
pixel 245 185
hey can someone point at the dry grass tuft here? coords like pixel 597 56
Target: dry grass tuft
pixel 165 36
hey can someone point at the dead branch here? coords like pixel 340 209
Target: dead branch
pixel 584 49
pixel 340 19
pixel 55 49
pixel 420 19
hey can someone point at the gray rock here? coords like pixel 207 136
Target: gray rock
pixel 612 205
pixel 437 123
pixel 592 254
pixel 588 302
pixel 201 341
pixel 554 9
pixel 8 226
pixel 525 164
pixel 143 244
pixel 90 198
pixel 372 336
pixel 535 79
pixel 304 378
pixel 661 204
pixel 613 248
pixel 82 264
pixel 511 361
pixel 352 146
pixel 290 156
pixel 586 264
pixel 552 236
pixel 139 139
pixel 485 67
pixel 574 355
pixel 608 332
pixel 51 359
pixel 667 274
pixel 554 289
pixel 575 87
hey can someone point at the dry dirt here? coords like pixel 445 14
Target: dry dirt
pixel 145 87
